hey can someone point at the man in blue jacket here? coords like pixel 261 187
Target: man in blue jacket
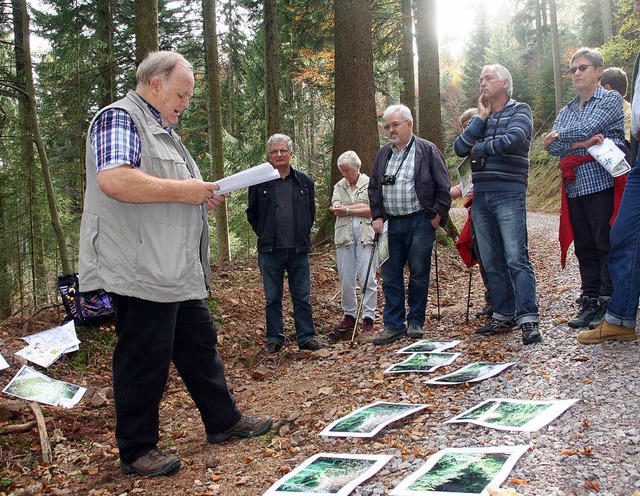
pixel 498 140
pixel 409 187
pixel 281 212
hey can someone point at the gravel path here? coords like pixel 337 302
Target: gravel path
pixel 595 445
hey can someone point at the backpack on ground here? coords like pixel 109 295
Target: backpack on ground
pixel 84 308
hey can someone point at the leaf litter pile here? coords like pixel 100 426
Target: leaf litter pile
pixel 301 391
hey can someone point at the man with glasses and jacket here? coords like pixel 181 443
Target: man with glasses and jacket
pixel 281 212
pixel 409 187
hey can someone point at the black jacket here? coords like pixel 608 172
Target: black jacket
pixel 261 212
pixel 431 180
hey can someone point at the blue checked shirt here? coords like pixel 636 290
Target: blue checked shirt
pixel 601 114
pixel 401 198
pixel 115 140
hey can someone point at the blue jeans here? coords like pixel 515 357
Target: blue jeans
pixel 410 241
pixel 500 222
pixel 624 257
pixel 273 266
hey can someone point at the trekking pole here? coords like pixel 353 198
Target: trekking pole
pixel 364 285
pixel 469 294
pixel 435 244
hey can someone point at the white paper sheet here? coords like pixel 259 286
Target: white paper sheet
pixel 610 157
pixel 243 179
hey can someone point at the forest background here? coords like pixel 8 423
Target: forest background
pixel 321 72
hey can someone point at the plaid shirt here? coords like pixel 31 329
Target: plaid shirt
pixel 401 198
pixel 115 140
pixel 600 114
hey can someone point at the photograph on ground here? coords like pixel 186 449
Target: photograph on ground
pixel 370 419
pixel 428 345
pixel 473 372
pixel 328 474
pixel 422 362
pixel 513 415
pixel 31 385
pixel 461 472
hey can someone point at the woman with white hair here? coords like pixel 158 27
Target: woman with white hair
pixel 354 243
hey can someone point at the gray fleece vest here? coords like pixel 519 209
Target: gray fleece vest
pixel 154 251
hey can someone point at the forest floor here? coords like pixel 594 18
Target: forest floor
pixel 593 448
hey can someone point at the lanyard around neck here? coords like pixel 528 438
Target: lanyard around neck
pixel 405 153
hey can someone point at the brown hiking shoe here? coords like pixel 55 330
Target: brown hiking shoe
pixel 245 427
pixel 606 331
pixel 152 464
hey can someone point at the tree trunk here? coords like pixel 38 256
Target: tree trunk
pixel 146 28
pixel 430 117
pixel 405 63
pixel 215 121
pixel 555 52
pixel 539 35
pixel 355 123
pixel 104 33
pixel 27 99
pixel 607 21
pixel 272 67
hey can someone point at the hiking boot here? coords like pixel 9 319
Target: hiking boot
pixel 388 336
pixel 586 313
pixel 530 333
pixel 272 348
pixel 603 304
pixel 415 331
pixel 311 345
pixel 245 427
pixel 495 326
pixel 486 311
pixel 347 324
pixel 367 325
pixel 152 464
pixel 606 331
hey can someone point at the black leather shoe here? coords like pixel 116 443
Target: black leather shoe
pixel 311 345
pixel 272 348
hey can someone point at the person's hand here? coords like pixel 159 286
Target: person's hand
pixel 212 200
pixel 435 222
pixel 550 138
pixel 484 107
pixel 340 210
pixel 377 225
pixel 596 139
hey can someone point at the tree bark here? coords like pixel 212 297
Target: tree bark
pixel 146 28
pixel 406 68
pixel 607 21
pixel 430 117
pixel 272 67
pixel 27 99
pixel 555 52
pixel 215 122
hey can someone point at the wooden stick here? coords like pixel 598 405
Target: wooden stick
pixel 42 430
pixel 13 428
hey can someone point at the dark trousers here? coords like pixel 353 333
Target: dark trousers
pixel 150 336
pixel 590 216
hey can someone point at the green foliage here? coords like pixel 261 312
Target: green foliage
pixel 476 56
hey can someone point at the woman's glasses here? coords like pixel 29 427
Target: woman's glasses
pixel 581 68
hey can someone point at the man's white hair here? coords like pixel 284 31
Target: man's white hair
pixel 405 113
pixel 503 75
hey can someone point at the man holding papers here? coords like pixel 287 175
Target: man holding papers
pixel 281 212
pixel 144 238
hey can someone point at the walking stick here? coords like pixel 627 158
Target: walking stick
pixel 435 244
pixel 469 294
pixel 364 286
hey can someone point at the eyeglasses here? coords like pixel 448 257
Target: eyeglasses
pixel 581 68
pixel 284 151
pixel 393 125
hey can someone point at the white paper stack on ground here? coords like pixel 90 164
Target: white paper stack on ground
pixel 47 346
pixel 243 179
pixel 31 385
pixel 3 363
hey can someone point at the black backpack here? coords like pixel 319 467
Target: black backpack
pixel 85 308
